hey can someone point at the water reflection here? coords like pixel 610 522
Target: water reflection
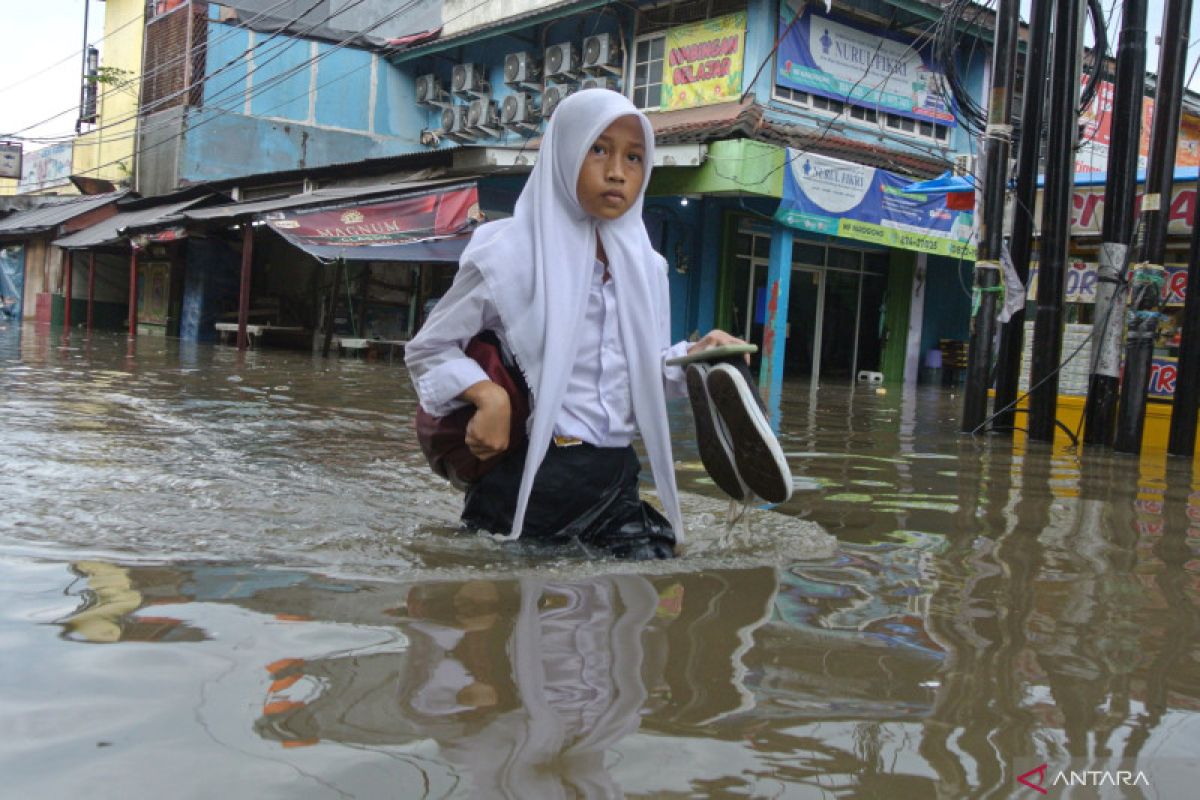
pixel 261 566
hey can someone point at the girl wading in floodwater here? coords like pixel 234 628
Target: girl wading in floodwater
pixel 576 294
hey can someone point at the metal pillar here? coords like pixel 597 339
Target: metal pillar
pixel 1056 219
pixel 68 288
pixel 1012 336
pixel 779 282
pixel 991 228
pixel 243 340
pixel 133 276
pixel 1182 441
pixel 91 299
pixel 1151 249
pixel 1120 190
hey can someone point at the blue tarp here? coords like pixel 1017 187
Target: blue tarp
pixel 12 280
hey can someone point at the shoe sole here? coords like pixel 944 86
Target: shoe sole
pixel 756 452
pixel 711 437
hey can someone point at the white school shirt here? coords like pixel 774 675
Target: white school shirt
pixel 597 406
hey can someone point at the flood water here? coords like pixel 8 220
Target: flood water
pixel 232 576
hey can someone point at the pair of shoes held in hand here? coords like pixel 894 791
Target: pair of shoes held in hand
pixel 737 447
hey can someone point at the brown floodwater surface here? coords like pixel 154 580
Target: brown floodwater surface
pixel 232 575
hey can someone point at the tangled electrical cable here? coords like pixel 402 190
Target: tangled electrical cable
pixel 971 114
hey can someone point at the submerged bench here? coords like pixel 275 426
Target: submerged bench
pixel 254 332
pixel 372 347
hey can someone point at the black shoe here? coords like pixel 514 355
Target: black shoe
pixel 712 439
pixel 760 462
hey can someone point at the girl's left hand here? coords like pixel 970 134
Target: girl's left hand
pixel 715 338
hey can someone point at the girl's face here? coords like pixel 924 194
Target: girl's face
pixel 610 179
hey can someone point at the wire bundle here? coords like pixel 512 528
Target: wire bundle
pixel 947 42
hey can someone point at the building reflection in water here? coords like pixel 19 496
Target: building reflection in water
pixel 923 666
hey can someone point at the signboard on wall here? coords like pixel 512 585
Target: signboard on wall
pixel 1080 283
pixel 829 196
pixel 46 168
pixel 831 57
pixel 10 160
pixel 703 62
pixel 1093 152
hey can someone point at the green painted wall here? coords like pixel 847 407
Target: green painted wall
pixel 734 165
pixel 901 267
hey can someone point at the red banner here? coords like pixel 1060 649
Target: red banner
pixel 393 222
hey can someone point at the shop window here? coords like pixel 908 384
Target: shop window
pixel 837 108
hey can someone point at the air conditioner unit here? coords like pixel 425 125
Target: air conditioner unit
pixel 518 112
pixel 562 61
pixel 482 117
pixel 454 122
pixel 430 91
pixel 964 165
pixel 467 80
pixel 598 83
pixel 552 96
pixel 601 53
pixel 520 69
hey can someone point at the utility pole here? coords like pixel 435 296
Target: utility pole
pixel 83 70
pixel 1056 219
pixel 1029 159
pixel 991 234
pixel 1151 247
pixel 1120 191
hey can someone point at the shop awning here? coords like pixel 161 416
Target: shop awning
pixel 109 231
pixel 430 226
pixel 53 214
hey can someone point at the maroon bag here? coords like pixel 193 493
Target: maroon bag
pixel 443 439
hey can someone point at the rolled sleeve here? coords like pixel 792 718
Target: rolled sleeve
pixel 440 387
pixel 437 363
pixel 674 378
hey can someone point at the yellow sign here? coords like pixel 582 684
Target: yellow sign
pixel 703 62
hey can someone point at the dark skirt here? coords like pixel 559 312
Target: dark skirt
pixel 581 494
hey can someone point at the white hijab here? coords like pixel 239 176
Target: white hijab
pixel 538 266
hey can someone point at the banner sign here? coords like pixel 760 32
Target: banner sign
pixel 826 56
pixel 395 222
pixel 10 160
pixel 1080 283
pixel 1093 152
pixel 46 168
pixel 1087 209
pixel 1163 372
pixel 837 198
pixel 704 62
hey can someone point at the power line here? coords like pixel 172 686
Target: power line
pixel 142 77
pixel 283 76
pixel 71 57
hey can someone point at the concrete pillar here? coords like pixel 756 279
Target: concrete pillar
pixel 779 282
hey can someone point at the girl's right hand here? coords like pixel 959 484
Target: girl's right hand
pixel 487 432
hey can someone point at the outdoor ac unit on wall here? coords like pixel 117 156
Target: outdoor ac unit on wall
pixel 521 69
pixel 519 113
pixel 601 54
pixel 482 117
pixel 454 122
pixel 562 61
pixel 554 95
pixel 964 165
pixel 467 80
pixel 430 91
pixel 598 83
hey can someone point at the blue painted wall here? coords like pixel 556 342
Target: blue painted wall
pixel 947 302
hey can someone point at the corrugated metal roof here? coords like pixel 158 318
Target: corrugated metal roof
pixel 44 218
pixel 108 231
pixel 328 196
